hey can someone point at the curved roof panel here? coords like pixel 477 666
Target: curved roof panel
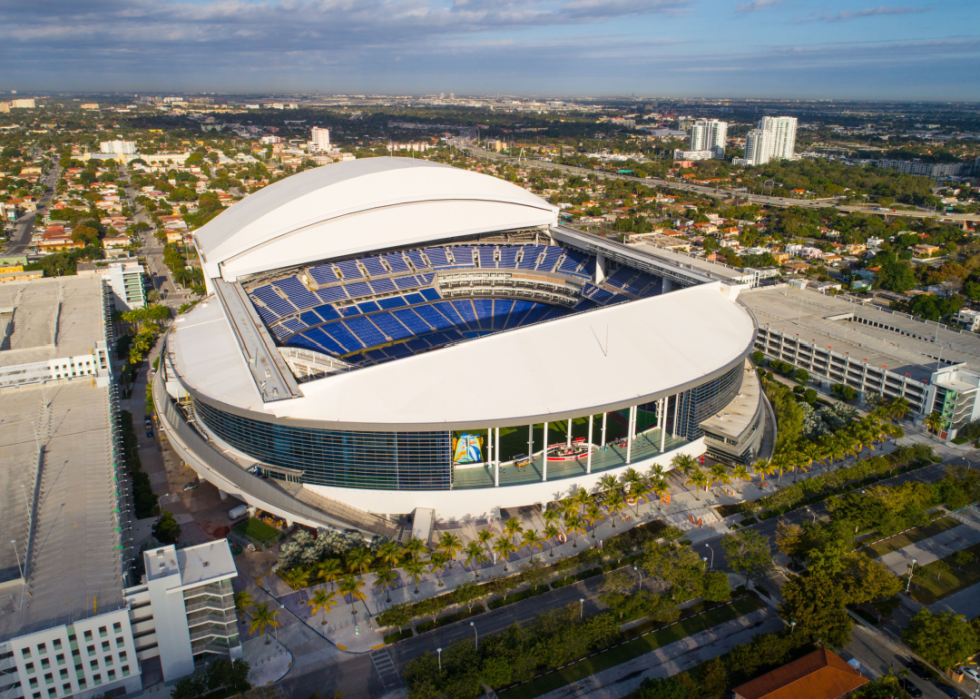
pixel 361 205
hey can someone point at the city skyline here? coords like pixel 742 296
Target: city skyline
pixel 670 48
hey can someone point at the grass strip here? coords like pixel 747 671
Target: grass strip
pixel 627 650
pixel 900 541
pixel 944 577
pixel 518 596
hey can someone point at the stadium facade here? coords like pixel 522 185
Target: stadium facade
pixel 391 334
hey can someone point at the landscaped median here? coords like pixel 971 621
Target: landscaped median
pixel 639 641
pixel 947 576
pixel 901 540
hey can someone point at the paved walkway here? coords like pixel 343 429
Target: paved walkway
pixel 935 547
pixel 269 660
pixel 671 659
pixel 965 602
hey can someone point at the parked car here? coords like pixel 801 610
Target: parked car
pixel 948 690
pixel 192 485
pixel 910 689
pixel 917 668
pixel 971 671
pixel 149 434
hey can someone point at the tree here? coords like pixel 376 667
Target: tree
pixel 349 585
pixel 895 275
pixel 414 547
pixel 934 422
pixel 714 677
pixel 321 600
pixel 815 603
pixel 328 570
pixel 534 573
pixel 243 600
pixel 503 547
pixel 748 553
pixel 740 473
pixel 868 580
pixel 944 639
pixel 385 580
pixel 415 568
pixel 437 563
pixel 716 587
pixel 389 554
pixel 789 539
pixel 452 546
pixel 513 527
pixel 475 555
pixel 467 593
pixel 699 479
pixel 661 688
pixel 166 530
pixel 684 463
pixel 262 619
pixel 359 559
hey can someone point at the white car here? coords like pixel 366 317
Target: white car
pixel 971 671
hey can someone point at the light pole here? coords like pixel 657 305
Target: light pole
pixel 708 546
pixel 439 652
pixel 476 636
pixel 581 608
pixel 639 573
pixel 13 542
pixel 792 627
pixel 705 559
pixel 909 583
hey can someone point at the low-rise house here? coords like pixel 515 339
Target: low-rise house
pixel 821 674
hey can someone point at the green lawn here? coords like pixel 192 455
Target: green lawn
pixel 258 530
pixel 931 583
pixel 631 649
pixel 900 541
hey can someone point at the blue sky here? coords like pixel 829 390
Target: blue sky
pixel 927 50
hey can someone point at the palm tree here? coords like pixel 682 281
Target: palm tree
pixel 657 471
pixel 699 479
pixel 322 601
pixel 359 559
pixel 437 561
pixel 741 474
pixel 608 483
pixel 414 547
pixel 243 600
pixel 615 503
pixel 552 532
pixel 294 577
pixel 582 499
pixel 568 507
pixel 899 407
pixel 573 525
pixel 349 585
pixel 684 463
pixel 551 516
pixel 485 536
pixel 593 516
pixel 812 451
pixel 719 474
pixel 531 539
pixel 329 570
pixel 661 488
pixel 451 545
pixel 414 568
pixel 385 579
pixel 513 527
pixel 834 449
pixel 262 619
pixel 389 554
pixel 475 552
pixel 503 547
pixel 631 478
pixel 782 462
pixel 934 422
pixel 894 431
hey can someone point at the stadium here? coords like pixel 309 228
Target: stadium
pixel 389 335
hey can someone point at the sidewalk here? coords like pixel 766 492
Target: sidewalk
pixel 935 547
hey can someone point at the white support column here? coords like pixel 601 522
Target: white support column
pixel 569 442
pixel 490 445
pixel 496 463
pixel 530 442
pixel 588 462
pixel 663 424
pixel 544 455
pixel 629 435
pixel 496 446
pixel 604 415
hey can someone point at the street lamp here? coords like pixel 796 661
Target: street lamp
pixel 909 583
pixel 705 559
pixel 13 543
pixel 708 546
pixel 476 636
pixel 581 608
pixel 792 627
pixel 439 651
pixel 639 573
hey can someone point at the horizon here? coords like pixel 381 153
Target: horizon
pixel 676 49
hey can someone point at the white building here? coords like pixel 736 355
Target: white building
pixel 783 136
pixel 969 320
pixel 125 278
pixel 693 154
pixel 184 612
pixel 758 145
pixel 709 134
pixel 320 139
pixel 22 104
pixel 119 147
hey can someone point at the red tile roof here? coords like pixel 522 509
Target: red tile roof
pixel 819 675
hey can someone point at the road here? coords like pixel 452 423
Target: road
pixel 20 240
pixel 880 655
pixel 782 202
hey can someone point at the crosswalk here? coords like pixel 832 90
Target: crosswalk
pixel 390 677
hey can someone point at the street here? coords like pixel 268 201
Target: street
pixel 20 239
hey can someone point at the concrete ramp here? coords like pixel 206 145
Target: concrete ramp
pixel 422 520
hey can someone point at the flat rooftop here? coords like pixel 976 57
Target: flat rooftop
pixel 204 562
pixel 76 556
pixel 49 318
pixel 901 344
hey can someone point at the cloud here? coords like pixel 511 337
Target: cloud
pixel 845 15
pixel 757 5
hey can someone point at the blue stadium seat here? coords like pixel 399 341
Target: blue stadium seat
pixel 350 270
pixel 438 257
pixel 369 306
pixel 383 286
pixel 310 318
pixel 397 263
pixel 463 254
pixel 529 260
pixel 430 294
pixel 487 254
pixel 344 337
pixel 305 343
pixel 391 302
pixel 294 324
pixel 374 267
pixel 465 309
pixel 450 312
pixel 416 257
pixel 357 289
pixel 418 344
pixel 350 311
pixel 551 255
pixel 406 282
pixel 267 315
pixel 332 293
pixel 433 317
pixel 323 274
pixel 365 331
pixel 484 312
pixel 414 298
pixel 390 326
pixel 411 320
pixel 326 312
pixel 273 301
pixel 398 351
pixel 508 256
